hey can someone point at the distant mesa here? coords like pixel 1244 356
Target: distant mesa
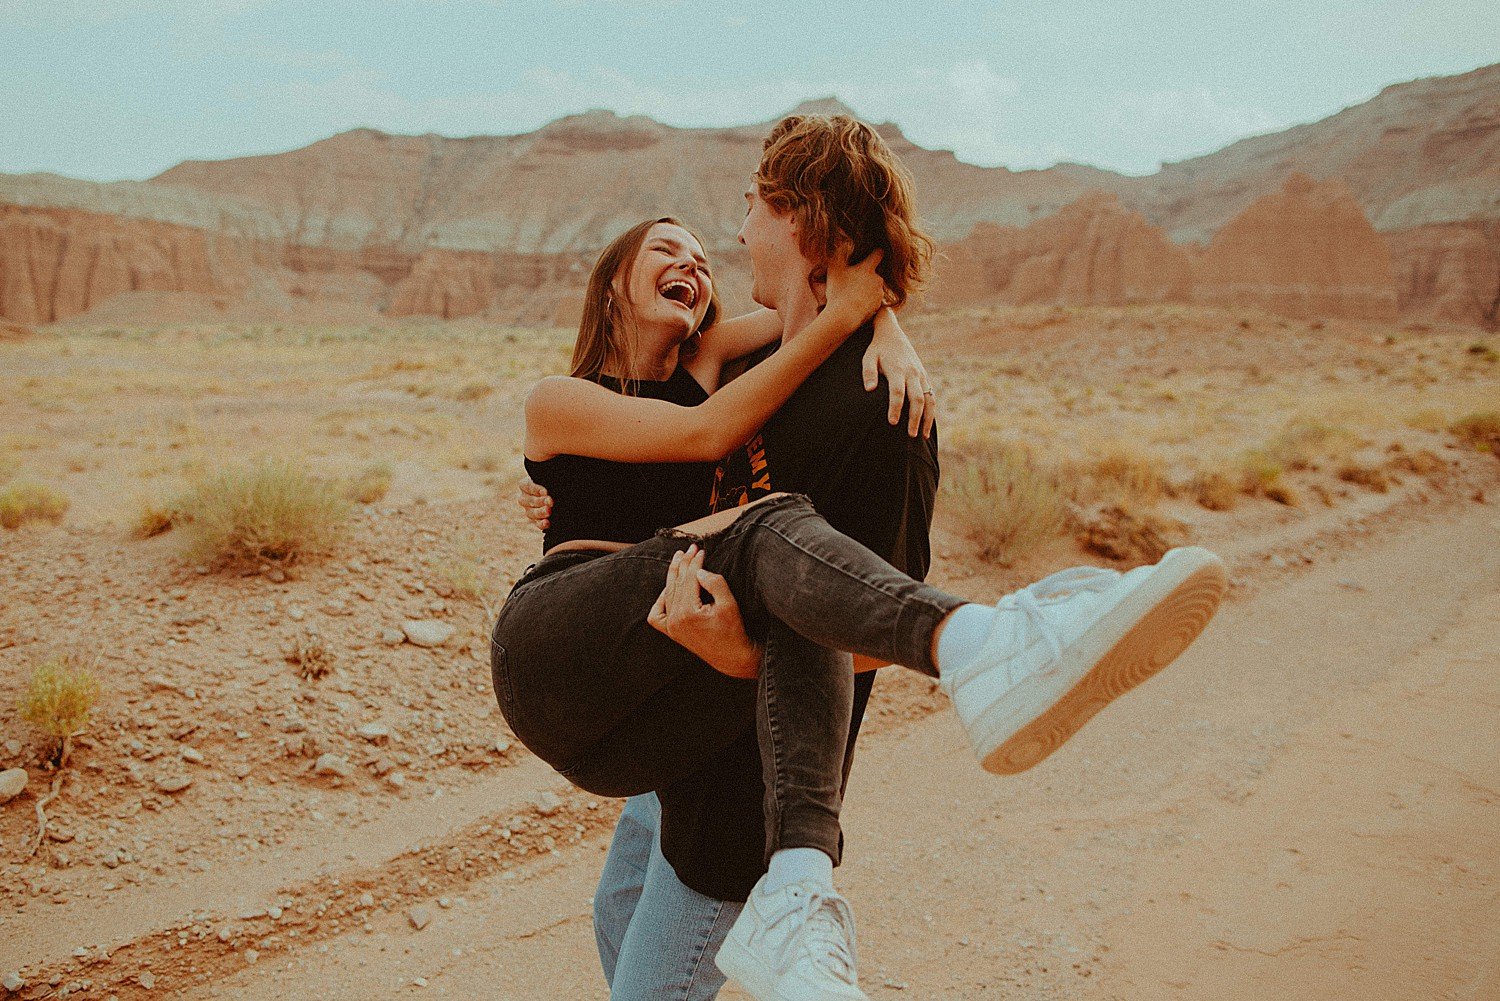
pixel 1388 208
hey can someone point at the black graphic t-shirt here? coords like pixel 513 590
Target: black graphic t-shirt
pixel 872 482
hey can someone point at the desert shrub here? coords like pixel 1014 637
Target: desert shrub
pixel 1373 477
pixel 1422 462
pixel 1120 532
pixel 1427 420
pixel 26 501
pixel 473 391
pixel 1304 442
pixel 370 484
pixel 1002 499
pixel 272 511
pixel 59 698
pixel 310 656
pixel 1214 489
pixel 1479 430
pixel 154 517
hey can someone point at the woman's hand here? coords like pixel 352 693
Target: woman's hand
pixel 536 503
pixel 713 631
pixel 891 352
pixel 855 289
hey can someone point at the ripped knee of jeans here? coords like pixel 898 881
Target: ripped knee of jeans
pixel 748 514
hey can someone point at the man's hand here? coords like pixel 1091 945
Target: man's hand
pixel 536 503
pixel 891 352
pixel 713 631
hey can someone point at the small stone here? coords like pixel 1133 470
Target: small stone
pixel 146 979
pixel 419 916
pixel 367 899
pixel 12 783
pixel 111 859
pixel 374 732
pixel 383 767
pixel 502 744
pixel 427 632
pixel 61 835
pixel 395 780
pixel 192 754
pixel 173 783
pixel 419 981
pixel 295 613
pixel 332 764
pixel 547 803
pixel 13 746
pixel 444 903
pixel 12 981
pixel 241 771
pixel 251 955
pixel 276 575
pixel 392 637
pixel 274 913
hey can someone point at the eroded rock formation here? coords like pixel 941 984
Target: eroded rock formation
pixel 1307 250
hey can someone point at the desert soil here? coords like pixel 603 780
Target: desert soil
pixel 1304 805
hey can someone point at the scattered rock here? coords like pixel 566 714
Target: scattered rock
pixel 12 981
pixel 276 575
pixel 419 916
pixel 295 613
pixel 274 913
pixel 547 803
pixel 392 637
pixel 61 835
pixel 382 767
pixel 374 732
pixel 251 955
pixel 241 771
pixel 192 754
pixel 367 899
pixel 502 744
pixel 173 783
pixel 332 764
pixel 12 783
pixel 146 979
pixel 111 859
pixel 427 632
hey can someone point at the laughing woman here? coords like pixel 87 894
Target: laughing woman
pixel 589 680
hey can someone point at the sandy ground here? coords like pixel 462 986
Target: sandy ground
pixel 1304 806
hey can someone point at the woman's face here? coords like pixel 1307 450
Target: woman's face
pixel 668 286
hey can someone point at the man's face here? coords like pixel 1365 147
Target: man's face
pixel 771 238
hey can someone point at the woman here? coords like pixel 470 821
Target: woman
pixel 588 682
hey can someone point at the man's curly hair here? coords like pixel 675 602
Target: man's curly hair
pixel 842 182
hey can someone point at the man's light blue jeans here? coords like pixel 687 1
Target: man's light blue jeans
pixel 657 938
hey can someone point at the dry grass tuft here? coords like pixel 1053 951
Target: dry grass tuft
pixel 370 484
pixel 1422 462
pixel 59 698
pixel 1303 443
pixel 269 512
pixel 27 501
pixel 1118 473
pixel 1215 489
pixel 1002 499
pixel 1136 537
pixel 1374 477
pixel 1427 420
pixel 1479 430
pixel 311 656
pixel 154 517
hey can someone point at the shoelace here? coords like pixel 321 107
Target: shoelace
pixel 827 932
pixel 1049 590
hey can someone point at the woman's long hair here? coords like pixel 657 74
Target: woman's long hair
pixel 608 341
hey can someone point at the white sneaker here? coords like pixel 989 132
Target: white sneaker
pixel 796 944
pixel 1063 648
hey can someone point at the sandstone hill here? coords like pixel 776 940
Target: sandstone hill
pixel 1391 206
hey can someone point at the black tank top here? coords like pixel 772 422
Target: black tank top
pixel 626 501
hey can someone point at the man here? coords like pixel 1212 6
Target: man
pixel 684 860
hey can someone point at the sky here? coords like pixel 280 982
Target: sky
pixel 122 89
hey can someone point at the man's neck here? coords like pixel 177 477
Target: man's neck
pixel 798 308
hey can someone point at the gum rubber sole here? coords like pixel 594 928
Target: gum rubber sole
pixel 1153 642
